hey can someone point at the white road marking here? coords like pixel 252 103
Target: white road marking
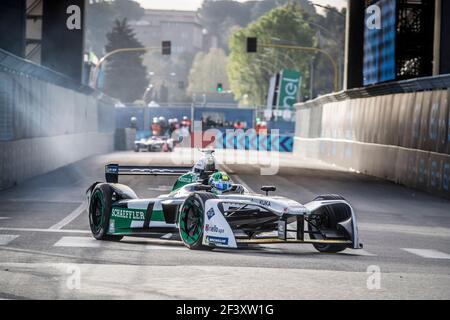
pixel 80 242
pixel 165 247
pixel 358 252
pixel 5 239
pixel 167 236
pixel 45 230
pixel 4 218
pixel 407 229
pixel 428 253
pixel 72 216
pixel 237 179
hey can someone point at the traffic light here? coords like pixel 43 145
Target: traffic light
pixel 219 87
pixel 166 47
pixel 252 44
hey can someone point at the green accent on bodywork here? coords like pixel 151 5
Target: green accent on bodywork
pixel 158 215
pixel 183 180
pixel 121 219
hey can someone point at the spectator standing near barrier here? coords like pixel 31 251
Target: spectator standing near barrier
pixel 156 129
pixel 186 122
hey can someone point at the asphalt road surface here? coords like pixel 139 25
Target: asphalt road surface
pixel 47 252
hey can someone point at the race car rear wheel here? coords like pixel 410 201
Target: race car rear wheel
pixel 99 211
pixel 191 220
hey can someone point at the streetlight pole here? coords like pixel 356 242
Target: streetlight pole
pixel 194 96
pixel 333 10
pixel 109 54
pixel 311 49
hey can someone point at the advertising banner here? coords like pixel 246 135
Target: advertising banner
pixel 290 82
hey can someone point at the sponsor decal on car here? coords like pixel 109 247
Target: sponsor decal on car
pixel 213 229
pixel 210 213
pixel 128 214
pixel 112 169
pixel 217 240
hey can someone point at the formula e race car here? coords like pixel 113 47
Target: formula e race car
pixel 154 143
pixel 204 218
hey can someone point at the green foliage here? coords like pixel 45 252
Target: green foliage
pixel 220 16
pixel 100 17
pixel 125 76
pixel 330 34
pixel 249 73
pixel 207 71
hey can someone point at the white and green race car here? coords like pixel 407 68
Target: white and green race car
pixel 204 219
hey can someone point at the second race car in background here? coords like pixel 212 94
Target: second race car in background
pixel 154 143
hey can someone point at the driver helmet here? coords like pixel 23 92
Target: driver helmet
pixel 220 182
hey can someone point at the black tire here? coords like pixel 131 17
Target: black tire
pixel 329 248
pixel 329 223
pixel 191 220
pixel 323 197
pixel 136 148
pixel 99 212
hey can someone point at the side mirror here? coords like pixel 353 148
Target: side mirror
pixel 268 189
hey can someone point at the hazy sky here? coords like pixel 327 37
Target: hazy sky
pixel 194 4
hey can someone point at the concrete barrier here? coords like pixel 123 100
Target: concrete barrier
pixel 48 121
pixel 124 138
pixel 402 137
pixel 23 159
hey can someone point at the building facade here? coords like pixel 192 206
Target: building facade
pixel 169 74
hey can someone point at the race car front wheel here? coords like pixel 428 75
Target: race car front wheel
pixel 191 220
pixel 99 211
pixel 327 219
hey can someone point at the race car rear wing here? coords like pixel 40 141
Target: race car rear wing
pixel 113 171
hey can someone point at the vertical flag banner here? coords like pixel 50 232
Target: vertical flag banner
pixel 290 83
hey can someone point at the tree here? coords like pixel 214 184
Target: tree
pixel 219 16
pixel 100 17
pixel 249 74
pixel 207 71
pixel 125 75
pixel 330 34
